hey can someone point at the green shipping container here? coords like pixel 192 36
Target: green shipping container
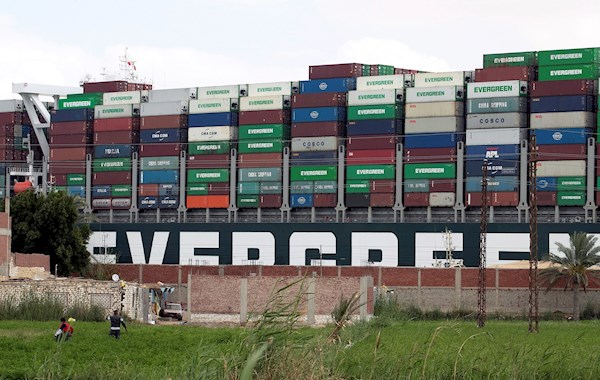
pixel 384 111
pixel 570 198
pixel 270 188
pixel 248 188
pixel 207 175
pixel 111 164
pixel 570 183
pixel 59 188
pixel 263 132
pixel 2 192
pixel 74 101
pixel 526 58
pixel 197 189
pixel 313 173
pixel 385 70
pixel 567 72
pixel 358 187
pixel 423 171
pixel 569 57
pixel 121 191
pixel 75 179
pixel 160 163
pixel 250 201
pixel 260 174
pixel 302 187
pixel 255 146
pixel 366 70
pixel 370 172
pixel 325 187
pixel 217 147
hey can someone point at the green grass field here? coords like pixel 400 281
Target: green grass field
pixel 375 350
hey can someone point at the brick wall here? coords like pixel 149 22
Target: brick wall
pixel 32 260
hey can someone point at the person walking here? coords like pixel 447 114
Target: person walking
pixel 64 332
pixel 115 324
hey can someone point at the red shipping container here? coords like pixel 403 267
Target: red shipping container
pixel 546 198
pixel 508 198
pixel 340 70
pixel 560 152
pixel 59 179
pixel 399 70
pixel 116 137
pixel 264 117
pixel 317 129
pixel 597 197
pixel 111 178
pixel 442 185
pixel 11 118
pixel 67 167
pixel 425 155
pixel 416 199
pixel 70 127
pixel 382 200
pixel 138 86
pixel 207 201
pixel 325 200
pixel 112 86
pixel 116 124
pixel 260 160
pixel 66 141
pixel 165 121
pixel 562 87
pixel 383 186
pixel 371 142
pixel 207 161
pixel 270 201
pixel 218 188
pixel 158 150
pixel 148 190
pixel 325 99
pixel 67 154
pixel 526 73
pixel 371 157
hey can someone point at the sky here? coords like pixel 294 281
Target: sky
pixel 180 43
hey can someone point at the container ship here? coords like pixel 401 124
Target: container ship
pixel 361 164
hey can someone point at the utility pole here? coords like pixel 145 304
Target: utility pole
pixel 482 247
pixel 533 236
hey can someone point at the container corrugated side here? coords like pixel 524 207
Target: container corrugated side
pixel 260 174
pixel 315 144
pixel 382 111
pixel 213 105
pixel 263 131
pixel 125 97
pixel 221 133
pixel 568 72
pixel 207 175
pixel 164 108
pixel 527 58
pixel 434 125
pixel 111 112
pixel 568 56
pixel 264 103
pixel 169 95
pixel 454 78
pixel 313 173
pixel 381 82
pixel 499 89
pixel 434 94
pixel 427 171
pixel 442 199
pixel 375 97
pixel 159 163
pixel 553 120
pixel 499 136
pixel 260 146
pixel 497 120
pixel 361 172
pixel 435 109
pixel 561 168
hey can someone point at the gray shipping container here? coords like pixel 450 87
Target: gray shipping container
pixel 442 199
pixel 552 120
pixel 159 163
pixel 260 174
pixel 497 105
pixel 164 108
pixel 169 95
pixel 121 202
pixel 561 168
pixel 435 109
pixel 434 124
pixel 315 144
pixel 499 136
pixel 497 120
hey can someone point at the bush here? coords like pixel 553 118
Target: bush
pixel 589 312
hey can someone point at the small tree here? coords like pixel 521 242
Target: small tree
pixel 573 266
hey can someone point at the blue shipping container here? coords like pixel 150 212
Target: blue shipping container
pixel 213 119
pixel 76 190
pixel 171 135
pixel 492 152
pixel 508 183
pixel 314 158
pixel 474 168
pixel 546 183
pixel 168 201
pixel 301 200
pixel 432 140
pixel 562 136
pixel 26 130
pixel 147 203
pixel 569 103
pixel 327 85
pixel 112 151
pixel 374 127
pixel 77 114
pixel 306 115
pixel 101 191
pixel 168 189
pixel 159 176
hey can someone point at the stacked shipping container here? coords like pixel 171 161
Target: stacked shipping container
pixel 11 128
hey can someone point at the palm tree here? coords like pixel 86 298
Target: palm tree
pixel 573 266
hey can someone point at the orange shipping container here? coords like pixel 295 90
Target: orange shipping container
pixel 207 201
pixel 149 190
pixel 67 154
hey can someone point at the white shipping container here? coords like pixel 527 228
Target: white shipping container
pixel 121 202
pixel 212 92
pixel 561 168
pixel 169 95
pixel 11 105
pixel 276 88
pixel 222 133
pixel 496 89
pixel 100 203
pixel 497 120
pixel 500 136
pixel 434 124
pixel 375 97
pixel 435 109
pixel 315 144
pixel 442 199
pixel 164 108
pixel 552 120
pixel 454 78
pixel 264 103
pixel 111 112
pixel 434 94
pixel 213 105
pixel 124 97
pixel 382 82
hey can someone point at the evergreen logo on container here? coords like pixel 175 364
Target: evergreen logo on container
pixel 509 59
pixel 554 57
pixel 377 111
pixel 209 105
pixel 220 92
pixel 429 170
pixel 554 73
pixel 113 110
pixel 439 79
pixel 373 96
pixel 431 93
pixel 79 103
pixel 259 102
pixel 505 88
pixel 380 82
pixel 269 89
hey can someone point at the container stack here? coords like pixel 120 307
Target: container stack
pixel 563 117
pixel 375 112
pixel 434 124
pixel 318 120
pixel 70 133
pixel 496 123
pixel 213 122
pixel 11 121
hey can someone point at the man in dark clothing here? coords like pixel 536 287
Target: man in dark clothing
pixel 64 332
pixel 115 324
